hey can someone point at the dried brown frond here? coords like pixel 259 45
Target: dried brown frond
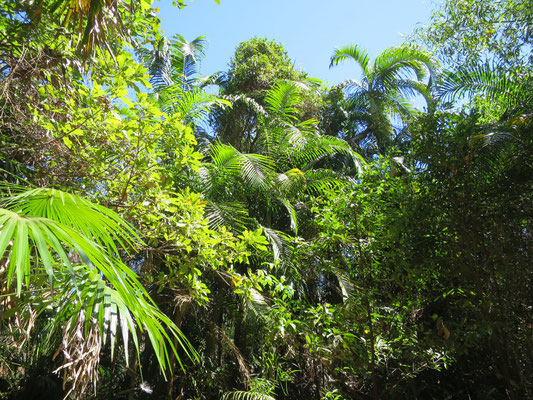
pixel 81 354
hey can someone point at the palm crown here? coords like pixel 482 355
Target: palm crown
pixel 382 95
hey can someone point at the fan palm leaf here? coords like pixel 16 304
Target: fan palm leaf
pixel 65 234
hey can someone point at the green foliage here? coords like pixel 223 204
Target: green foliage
pixel 494 90
pixel 466 194
pixel 70 235
pixel 91 27
pixel 256 65
pixel 260 390
pixel 269 260
pixel 174 61
pixel 467 31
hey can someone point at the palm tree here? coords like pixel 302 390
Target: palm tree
pixel 503 102
pixel 174 66
pixel 174 61
pixel 61 258
pixel 264 189
pixel 287 154
pixel 511 89
pixel 382 95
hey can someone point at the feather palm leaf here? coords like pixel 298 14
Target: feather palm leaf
pixel 495 82
pixel 254 169
pixel 384 89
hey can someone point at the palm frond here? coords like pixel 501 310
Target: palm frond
pixel 61 232
pixel 492 81
pixel 291 137
pixel 93 221
pixel 322 180
pixel 347 286
pixel 292 213
pixel 216 78
pixel 192 105
pixel 358 101
pixel 324 146
pixel 412 88
pixel 254 169
pixel 493 134
pixel 402 60
pixel 281 246
pixel 232 215
pixel 249 102
pixel 185 58
pixel 354 86
pixel 174 61
pixel 242 395
pixel 157 61
pixel 398 106
pixel 91 296
pixel 282 100
pixel 353 53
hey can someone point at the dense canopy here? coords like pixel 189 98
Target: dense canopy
pixel 258 233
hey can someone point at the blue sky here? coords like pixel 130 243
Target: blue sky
pixel 308 29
